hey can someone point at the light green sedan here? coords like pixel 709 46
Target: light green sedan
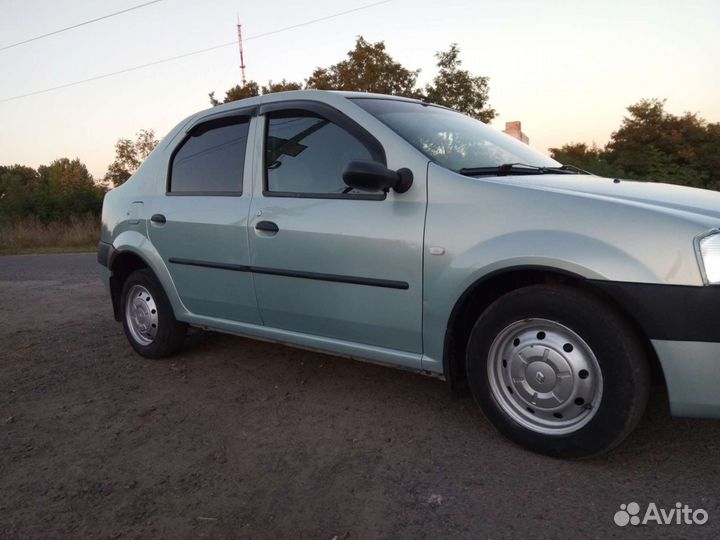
pixel 401 232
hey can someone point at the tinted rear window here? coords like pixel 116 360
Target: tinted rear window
pixel 212 159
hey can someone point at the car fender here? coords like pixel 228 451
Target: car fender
pixel 561 252
pixel 134 242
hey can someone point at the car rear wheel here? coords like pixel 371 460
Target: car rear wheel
pixel 148 319
pixel 557 371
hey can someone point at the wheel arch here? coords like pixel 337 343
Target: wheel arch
pixel 486 289
pixel 121 265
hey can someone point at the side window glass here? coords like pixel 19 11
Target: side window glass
pixel 212 158
pixel 306 154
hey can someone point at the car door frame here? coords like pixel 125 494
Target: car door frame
pixel 161 202
pixel 402 155
pixel 399 154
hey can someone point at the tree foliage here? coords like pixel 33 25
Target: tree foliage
pixel 458 88
pixel 129 155
pixel 55 192
pixel 652 144
pixel 592 159
pixel 370 68
pixel 252 89
pixel 17 176
pixel 65 174
pixel 236 93
pixel 282 86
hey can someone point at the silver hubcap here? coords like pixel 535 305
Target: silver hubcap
pixel 141 315
pixel 544 376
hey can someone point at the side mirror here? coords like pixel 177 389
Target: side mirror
pixel 374 176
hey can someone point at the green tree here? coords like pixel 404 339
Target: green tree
pixel 17 176
pixel 16 181
pixel 708 155
pixel 129 155
pixel 458 88
pixel 56 192
pixel 65 174
pixel 237 92
pixel 368 68
pixel 652 144
pixel 282 86
pixel 252 89
pixel 592 159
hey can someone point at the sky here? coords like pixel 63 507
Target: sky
pixel 566 69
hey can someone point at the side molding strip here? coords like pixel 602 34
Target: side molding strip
pixel 355 280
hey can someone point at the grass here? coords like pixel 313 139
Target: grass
pixel 30 235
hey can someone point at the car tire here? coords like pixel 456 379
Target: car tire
pixel 558 371
pixel 147 316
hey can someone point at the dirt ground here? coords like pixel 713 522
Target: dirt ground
pixel 244 439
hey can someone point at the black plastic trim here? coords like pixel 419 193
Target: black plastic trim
pixel 669 312
pixel 204 194
pixel 247 112
pixel 337 278
pixel 347 196
pixel 105 253
pixel 267 226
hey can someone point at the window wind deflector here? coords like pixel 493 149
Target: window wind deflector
pixel 225 121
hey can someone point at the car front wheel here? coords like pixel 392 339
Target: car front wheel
pixel 147 316
pixel 557 371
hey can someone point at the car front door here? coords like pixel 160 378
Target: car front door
pixel 327 260
pixel 199 226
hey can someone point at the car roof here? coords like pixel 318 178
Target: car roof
pixel 330 97
pixel 326 96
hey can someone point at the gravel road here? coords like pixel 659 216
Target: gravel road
pixel 239 438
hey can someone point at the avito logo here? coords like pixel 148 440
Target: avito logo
pixel 681 514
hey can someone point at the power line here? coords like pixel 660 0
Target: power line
pixel 200 51
pixel 271 32
pixel 78 25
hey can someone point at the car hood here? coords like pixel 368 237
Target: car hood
pixel 700 202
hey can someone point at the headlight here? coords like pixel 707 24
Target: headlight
pixel 709 250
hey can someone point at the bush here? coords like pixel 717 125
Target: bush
pixel 49 203
pixel 57 206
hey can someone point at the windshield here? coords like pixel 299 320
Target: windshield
pixel 451 139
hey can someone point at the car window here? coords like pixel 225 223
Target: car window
pixel 306 154
pixel 449 138
pixel 212 158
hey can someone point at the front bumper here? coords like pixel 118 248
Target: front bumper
pixel 683 325
pixel 692 376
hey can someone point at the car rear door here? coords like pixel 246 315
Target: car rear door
pixel 327 260
pixel 200 224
